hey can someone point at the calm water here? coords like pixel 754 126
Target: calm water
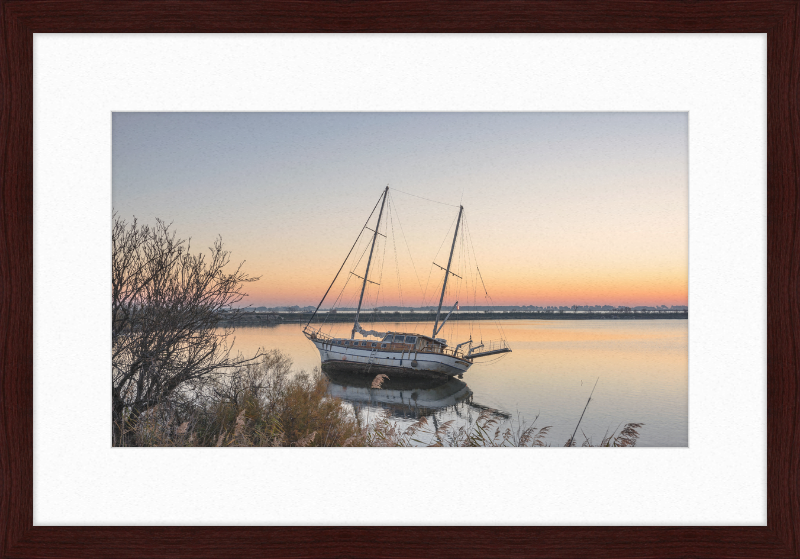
pixel 642 366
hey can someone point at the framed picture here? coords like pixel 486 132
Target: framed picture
pixel 45 509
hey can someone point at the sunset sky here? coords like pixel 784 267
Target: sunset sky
pixel 561 208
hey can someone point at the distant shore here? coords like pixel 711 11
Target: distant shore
pixel 267 318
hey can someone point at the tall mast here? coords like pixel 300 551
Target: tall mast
pixel 447 272
pixel 366 273
pixel 345 261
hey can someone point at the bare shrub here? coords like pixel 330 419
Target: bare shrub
pixel 166 313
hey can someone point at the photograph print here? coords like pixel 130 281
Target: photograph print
pixel 400 279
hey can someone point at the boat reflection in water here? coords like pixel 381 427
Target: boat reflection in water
pixel 405 397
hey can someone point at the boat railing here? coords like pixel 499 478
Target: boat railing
pixel 491 345
pixel 316 334
pixel 451 351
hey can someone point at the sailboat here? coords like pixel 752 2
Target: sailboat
pixel 399 353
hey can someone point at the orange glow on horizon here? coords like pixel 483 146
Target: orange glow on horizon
pixel 647 288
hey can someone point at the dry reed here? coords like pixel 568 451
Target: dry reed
pixel 266 404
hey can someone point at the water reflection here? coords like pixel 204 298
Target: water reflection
pixel 407 398
pixel 642 366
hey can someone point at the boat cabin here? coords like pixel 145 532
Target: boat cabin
pixel 397 341
pixel 417 341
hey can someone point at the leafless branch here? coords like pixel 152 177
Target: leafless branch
pixel 166 305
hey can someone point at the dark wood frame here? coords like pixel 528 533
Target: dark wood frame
pixel 20 19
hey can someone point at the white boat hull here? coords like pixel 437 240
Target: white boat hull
pixel 336 357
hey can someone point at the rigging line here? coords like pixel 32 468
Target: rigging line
pixel 352 300
pixel 461 268
pixel 383 261
pixel 347 302
pixel 475 273
pixel 480 326
pixel 397 214
pixel 377 293
pixel 341 293
pixel 490 362
pixel 437 285
pixel 372 314
pixel 487 297
pixel 360 258
pixel 425 294
pixel 394 250
pixel 363 252
pixel 349 277
pixel 458 284
pixel 475 292
pixel 396 264
pixel 327 316
pixel 490 299
pixel 466 269
pixel 420 197
pixel 383 288
pixel 390 231
pixel 343 263
pixel 495 360
pixel 380 292
pixel 379 265
pixel 471 282
pixel 446 236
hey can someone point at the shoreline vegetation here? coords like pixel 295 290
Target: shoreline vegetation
pixel 267 404
pixel 244 317
pixel 176 382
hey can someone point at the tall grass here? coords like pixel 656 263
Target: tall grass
pixel 267 404
pixel 263 404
